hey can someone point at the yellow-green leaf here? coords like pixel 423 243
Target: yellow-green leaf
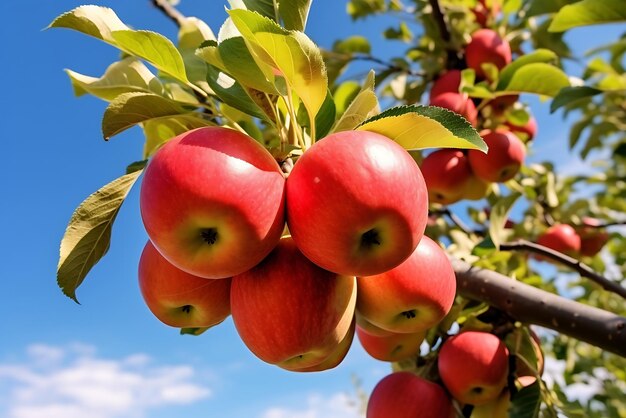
pixel 419 127
pixel 540 55
pixel 193 32
pixel 498 217
pixel 95 21
pixel 360 107
pixel 588 12
pixel 154 48
pixel 159 131
pixel 127 75
pixel 88 234
pixel 129 109
pixel 294 13
pixel 291 54
pixel 539 78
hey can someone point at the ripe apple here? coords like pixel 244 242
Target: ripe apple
pixel 394 347
pixel 178 298
pixel 448 82
pixel 412 297
pixel 474 366
pixel 446 172
pixel 592 239
pixel 485 10
pixel 486 46
pixel 503 160
pixel 290 312
pixel 212 202
pixel 370 328
pixel 336 357
pixel 474 188
pixel 498 105
pixel 357 203
pixel 406 395
pixel 498 408
pixel 562 238
pixel 458 103
pixel 525 132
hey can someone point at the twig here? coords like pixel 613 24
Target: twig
pixel 457 221
pixel 170 11
pixel 440 20
pixel 530 305
pixel 568 261
pixel 390 66
pixel 602 225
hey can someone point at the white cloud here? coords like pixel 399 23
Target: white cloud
pixel 73 382
pixel 337 406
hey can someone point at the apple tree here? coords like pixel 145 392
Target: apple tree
pixel 269 160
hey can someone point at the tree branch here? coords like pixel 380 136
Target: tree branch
pixel 390 66
pixel 527 304
pixel 440 20
pixel 568 261
pixel 170 11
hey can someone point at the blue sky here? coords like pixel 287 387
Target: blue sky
pixel 109 357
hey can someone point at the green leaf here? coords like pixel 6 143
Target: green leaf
pixel 323 121
pixel 353 45
pixel 570 94
pixel 159 131
pixel 526 402
pixel 194 32
pixel 552 197
pixel 294 13
pixel 262 7
pixel 484 248
pixel 290 53
pixel 129 109
pixel 234 95
pixel 88 234
pixel 345 94
pixel 419 127
pixel 154 48
pixel 588 12
pixel 358 110
pixel 538 56
pixel 539 78
pixel 125 76
pixel 95 21
pixel 499 215
pixel 240 64
pixel 193 331
pixel 576 130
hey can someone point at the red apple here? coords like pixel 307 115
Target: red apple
pixel 485 10
pixel 448 82
pixel 525 132
pixel 486 46
pixel 445 172
pixel 357 203
pixel 290 312
pixel 412 297
pixel 592 239
pixel 498 105
pixel 212 202
pixel 474 188
pixel 562 238
pixel 394 347
pixel 370 328
pixel 474 366
pixel 180 299
pixel 458 103
pixel 405 395
pixel 336 357
pixel 503 160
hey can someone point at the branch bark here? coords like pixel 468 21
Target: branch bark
pixel 440 20
pixel 531 305
pixel 170 11
pixel 568 261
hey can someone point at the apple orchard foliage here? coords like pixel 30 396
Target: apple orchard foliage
pixel 262 76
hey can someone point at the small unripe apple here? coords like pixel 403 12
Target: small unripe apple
pixel 212 202
pixel 179 299
pixel 474 366
pixel 357 203
pixel 394 347
pixel 503 160
pixel 446 172
pixel 406 395
pixel 458 103
pixel 412 297
pixel 486 46
pixel 290 312
pixel 448 82
pixel 562 238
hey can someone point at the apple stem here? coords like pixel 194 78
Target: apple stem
pixel 209 235
pixel 370 239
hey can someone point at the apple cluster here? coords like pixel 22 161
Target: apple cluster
pixel 586 240
pixel 452 175
pixel 301 261
pixel 473 368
